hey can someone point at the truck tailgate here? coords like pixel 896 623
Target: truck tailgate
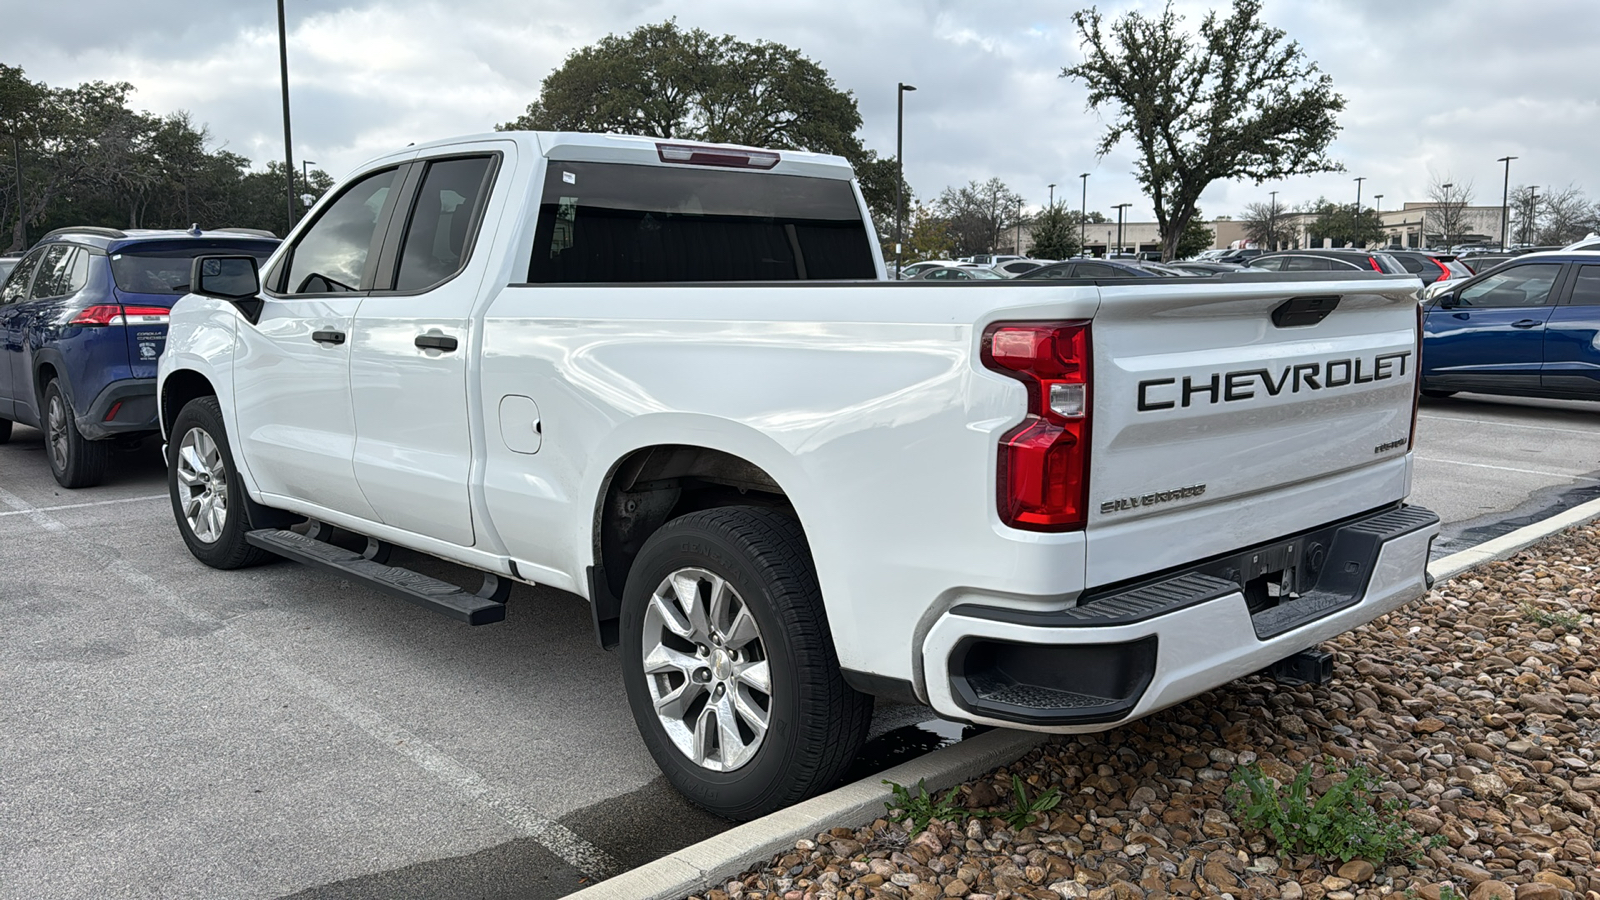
pixel 1223 419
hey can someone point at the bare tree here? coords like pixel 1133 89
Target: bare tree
pixel 978 214
pixel 1268 225
pixel 1525 202
pixel 1448 215
pixel 1568 216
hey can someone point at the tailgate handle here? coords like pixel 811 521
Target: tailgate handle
pixel 1302 311
pixel 1525 323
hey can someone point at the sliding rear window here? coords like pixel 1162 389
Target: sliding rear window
pixel 608 222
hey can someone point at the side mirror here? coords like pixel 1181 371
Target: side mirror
pixel 1447 300
pixel 235 279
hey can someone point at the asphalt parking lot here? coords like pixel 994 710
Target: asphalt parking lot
pixel 174 731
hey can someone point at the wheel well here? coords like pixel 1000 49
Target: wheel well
pixel 181 387
pixel 650 487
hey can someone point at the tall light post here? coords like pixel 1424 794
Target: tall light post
pixel 305 177
pixel 1357 223
pixel 1528 221
pixel 1505 202
pixel 1119 208
pixel 288 140
pixel 1377 203
pixel 1018 249
pixel 1449 216
pixel 899 169
pixel 1083 211
pixel 1272 220
pixel 1052 194
pixel 1108 243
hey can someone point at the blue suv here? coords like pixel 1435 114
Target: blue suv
pixel 84 318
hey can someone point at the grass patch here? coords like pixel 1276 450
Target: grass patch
pixel 1346 822
pixel 1545 618
pixel 917 806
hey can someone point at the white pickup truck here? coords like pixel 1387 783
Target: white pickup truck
pixel 669 378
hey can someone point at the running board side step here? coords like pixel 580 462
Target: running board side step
pixel 486 606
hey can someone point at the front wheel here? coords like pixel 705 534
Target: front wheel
pixel 207 498
pixel 730 666
pixel 75 461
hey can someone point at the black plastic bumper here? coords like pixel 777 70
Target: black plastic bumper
pixel 122 408
pixel 1287 583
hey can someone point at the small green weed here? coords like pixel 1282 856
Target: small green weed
pixel 1346 822
pixel 1027 809
pixel 917 806
pixel 1545 618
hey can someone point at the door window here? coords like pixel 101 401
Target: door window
pixel 1517 286
pixel 16 286
pixel 1275 264
pixel 332 256
pixel 55 273
pixel 1096 270
pixel 1586 287
pixel 443 220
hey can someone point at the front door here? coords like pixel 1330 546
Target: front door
pixel 1572 337
pixel 1491 337
pixel 292 368
pixel 411 340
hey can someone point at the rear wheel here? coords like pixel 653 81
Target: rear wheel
pixel 730 666
pixel 75 461
pixel 207 498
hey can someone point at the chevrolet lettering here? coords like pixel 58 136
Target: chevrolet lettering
pixel 673 381
pixel 1241 384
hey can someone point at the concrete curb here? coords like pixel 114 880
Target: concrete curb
pixel 709 862
pixel 715 859
pixel 1508 544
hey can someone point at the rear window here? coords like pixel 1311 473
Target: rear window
pixel 164 268
pixel 609 222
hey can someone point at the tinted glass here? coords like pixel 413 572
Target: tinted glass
pixel 1586 287
pixel 1413 264
pixel 1051 272
pixel 443 221
pixel 1099 270
pixel 164 268
pixel 1273 264
pixel 1516 286
pixel 17 285
pixel 54 271
pixel 606 222
pixel 332 256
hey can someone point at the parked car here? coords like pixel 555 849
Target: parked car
pixel 1242 255
pixel 7 263
pixel 917 268
pixel 1528 328
pixel 1331 260
pixel 1482 262
pixel 1018 266
pixel 1589 242
pixel 1205 267
pixel 1430 267
pixel 1049 506
pixel 84 315
pixel 1100 268
pixel 960 273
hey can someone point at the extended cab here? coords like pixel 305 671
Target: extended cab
pixel 666 377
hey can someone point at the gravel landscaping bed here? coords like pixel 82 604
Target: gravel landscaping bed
pixel 1475 711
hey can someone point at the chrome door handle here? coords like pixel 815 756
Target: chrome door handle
pixel 442 342
pixel 328 337
pixel 1525 323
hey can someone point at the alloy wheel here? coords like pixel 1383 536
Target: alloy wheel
pixel 202 485
pixel 56 424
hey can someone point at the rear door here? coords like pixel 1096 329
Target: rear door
pixel 1490 336
pixel 1572 336
pixel 410 343
pixel 1225 415
pixel 14 314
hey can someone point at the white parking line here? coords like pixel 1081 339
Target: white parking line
pixel 50 509
pixel 555 837
pixel 1501 424
pixel 1457 462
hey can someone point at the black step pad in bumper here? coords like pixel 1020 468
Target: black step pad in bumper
pixel 482 608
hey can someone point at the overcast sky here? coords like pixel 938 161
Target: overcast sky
pixel 1437 90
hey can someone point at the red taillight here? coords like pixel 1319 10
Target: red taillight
pixel 717 156
pixel 1444 270
pixel 1373 261
pixel 111 314
pixel 1044 461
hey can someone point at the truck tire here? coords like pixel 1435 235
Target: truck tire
pixel 730 666
pixel 5 431
pixel 207 497
pixel 75 461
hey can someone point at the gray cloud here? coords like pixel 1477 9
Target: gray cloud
pixel 1433 89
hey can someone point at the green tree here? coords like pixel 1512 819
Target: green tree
pixel 978 214
pixel 1338 222
pixel 1196 237
pixel 1054 234
pixel 876 177
pixel 1235 101
pixel 927 235
pixel 663 81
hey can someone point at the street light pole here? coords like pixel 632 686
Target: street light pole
pixel 899 170
pixel 288 141
pixel 1358 180
pixel 1272 221
pixel 1505 202
pixel 1052 195
pixel 1449 216
pixel 1377 203
pixel 1083 211
pixel 1119 208
pixel 1530 221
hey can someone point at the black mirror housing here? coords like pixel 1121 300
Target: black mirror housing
pixel 230 278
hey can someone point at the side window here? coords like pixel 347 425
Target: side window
pixel 1414 266
pixel 332 255
pixel 1095 270
pixel 54 270
pixel 17 285
pixel 942 274
pixel 1517 286
pixel 443 220
pixel 1274 264
pixel 1586 287
pixel 1304 264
